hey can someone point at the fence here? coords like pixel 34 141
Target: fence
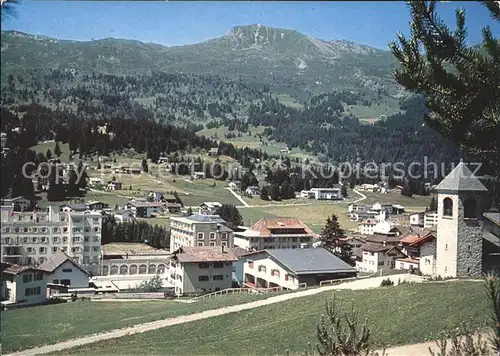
pixel 224 292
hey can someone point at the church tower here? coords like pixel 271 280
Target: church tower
pixel 461 199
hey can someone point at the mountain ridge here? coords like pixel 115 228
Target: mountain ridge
pixel 282 58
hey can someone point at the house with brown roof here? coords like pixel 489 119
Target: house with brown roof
pixel 199 270
pixel 420 249
pixel 278 232
pixel 62 269
pixel 22 285
pixel 378 255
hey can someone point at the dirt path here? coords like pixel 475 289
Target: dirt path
pixel 355 285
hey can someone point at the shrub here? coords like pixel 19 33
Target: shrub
pixel 386 283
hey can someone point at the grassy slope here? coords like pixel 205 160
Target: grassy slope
pixel 396 315
pixel 29 327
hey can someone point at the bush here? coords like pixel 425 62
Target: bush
pixel 386 283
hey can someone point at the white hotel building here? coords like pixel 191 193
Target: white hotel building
pixel 32 237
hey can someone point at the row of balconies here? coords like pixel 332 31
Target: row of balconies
pixel 47 240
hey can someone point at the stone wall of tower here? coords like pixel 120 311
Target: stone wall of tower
pixel 469 238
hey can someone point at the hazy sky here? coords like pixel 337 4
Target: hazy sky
pixel 178 23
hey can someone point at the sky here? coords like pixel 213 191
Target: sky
pixel 173 23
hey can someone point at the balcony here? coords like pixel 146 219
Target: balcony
pixel 12 251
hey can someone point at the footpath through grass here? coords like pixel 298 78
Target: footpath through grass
pixel 41 325
pixel 397 315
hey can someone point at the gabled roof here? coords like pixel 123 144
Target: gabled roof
pixel 58 259
pixel 265 225
pixel 493 216
pixel 461 179
pixel 417 239
pixel 204 254
pixel 308 260
pixel 12 269
pixel 378 247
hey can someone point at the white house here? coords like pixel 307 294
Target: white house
pixel 293 268
pixel 198 270
pixel 123 215
pixel 417 219
pixel 63 270
pixel 253 190
pixel 383 227
pixel 327 193
pixel 376 256
pixel 366 227
pixel 430 219
pixel 209 207
pixel 145 209
pixel 22 285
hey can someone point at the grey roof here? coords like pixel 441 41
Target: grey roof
pixel 493 216
pixel 58 259
pixel 310 260
pixel 461 179
pixel 206 218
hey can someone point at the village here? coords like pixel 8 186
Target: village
pixel 56 253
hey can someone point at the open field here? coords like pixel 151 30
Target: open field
pixel 396 315
pixel 313 215
pixel 29 327
pixel 415 203
pixel 372 113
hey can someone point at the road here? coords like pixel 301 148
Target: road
pixel 237 196
pixel 141 328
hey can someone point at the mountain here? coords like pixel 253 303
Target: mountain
pixel 284 59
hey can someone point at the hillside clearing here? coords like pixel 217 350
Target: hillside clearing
pixel 29 327
pixel 397 315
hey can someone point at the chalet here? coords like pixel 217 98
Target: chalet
pixel 377 256
pixel 145 209
pixel 214 151
pixel 18 203
pixel 64 270
pixel 22 285
pixel 199 175
pixel 278 232
pixel 173 208
pixel 293 268
pixel 97 205
pixel 169 198
pixel 209 207
pixel 198 270
pixel 114 185
pixel 420 249
pixel 252 190
pixel 398 209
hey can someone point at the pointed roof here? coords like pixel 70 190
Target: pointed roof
pixel 58 259
pixel 461 179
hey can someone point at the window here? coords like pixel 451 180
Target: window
pixel 201 244
pixel 75 249
pixel 66 282
pixel 445 269
pixel 123 269
pixel 54 249
pixel 250 264
pixel 201 236
pixel 470 208
pixel 65 239
pixel 55 230
pixel 286 277
pixel 95 248
pixel 262 268
pixel 218 264
pixel 86 248
pixel 96 229
pixel 67 270
pixel 212 236
pixel 468 270
pixel 203 265
pixel 76 239
pixel 87 229
pixel 223 235
pixel 212 243
pixel 65 229
pixel 7 229
pixel 446 247
pixel 447 207
pixel 86 239
pixel 33 239
pixel 95 239
pixel 35 229
pixel 32 291
pixel 55 239
pixel 55 281
pixel 275 272
pixel 202 278
pixel 41 260
pixel 218 277
pixel 223 243
pixel 96 220
pixel 30 250
pixel 38 277
pixel 43 250
pixel 27 278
